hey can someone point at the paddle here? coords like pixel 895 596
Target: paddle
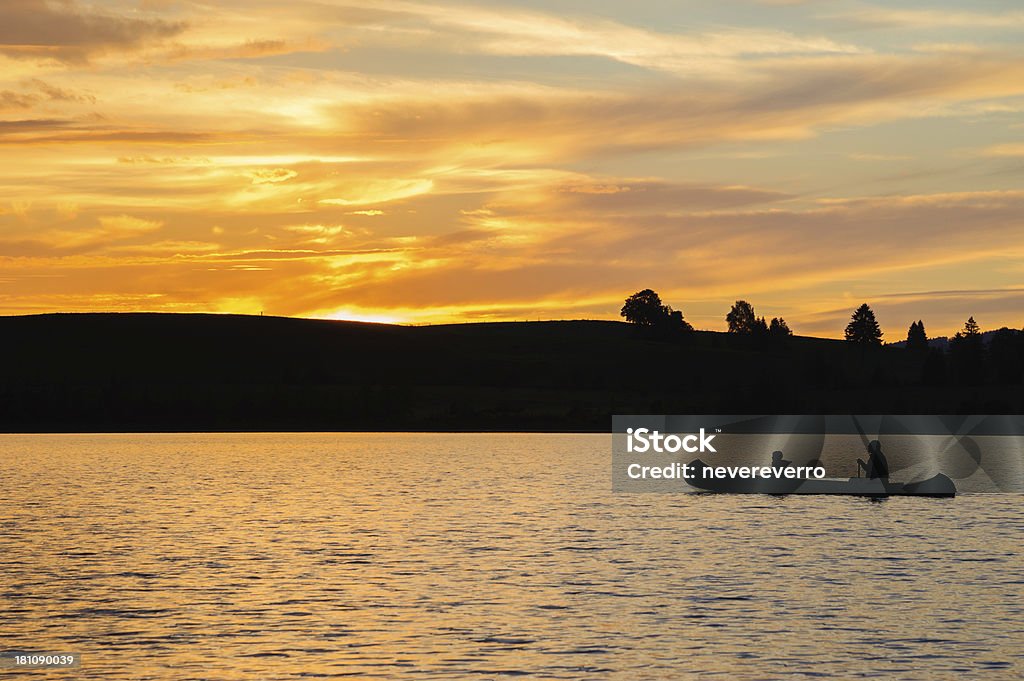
pixel 863 438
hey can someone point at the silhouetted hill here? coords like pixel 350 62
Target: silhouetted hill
pixel 223 372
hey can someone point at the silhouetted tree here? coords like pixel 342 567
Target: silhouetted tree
pixel 760 327
pixel 675 320
pixel 778 328
pixel 967 351
pixel 863 327
pixel 644 308
pixel 917 339
pixel 741 318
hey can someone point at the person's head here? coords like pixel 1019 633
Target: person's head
pixel 776 456
pixel 875 447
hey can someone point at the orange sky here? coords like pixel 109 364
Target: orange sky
pixel 491 160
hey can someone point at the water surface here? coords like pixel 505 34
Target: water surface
pixel 288 556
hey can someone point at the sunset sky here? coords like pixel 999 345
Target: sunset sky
pixel 495 160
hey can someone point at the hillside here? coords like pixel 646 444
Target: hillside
pixel 85 372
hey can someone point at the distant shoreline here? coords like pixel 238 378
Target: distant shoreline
pixel 155 372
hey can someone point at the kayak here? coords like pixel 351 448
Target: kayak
pixel 938 486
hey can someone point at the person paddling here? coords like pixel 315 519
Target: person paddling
pixel 876 466
pixel 778 461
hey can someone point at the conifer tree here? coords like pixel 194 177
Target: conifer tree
pixel 863 327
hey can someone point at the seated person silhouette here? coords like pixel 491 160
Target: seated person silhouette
pixel 778 461
pixel 876 466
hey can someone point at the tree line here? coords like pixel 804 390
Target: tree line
pixel 970 357
pixel 645 309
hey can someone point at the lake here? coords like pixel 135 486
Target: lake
pixel 292 556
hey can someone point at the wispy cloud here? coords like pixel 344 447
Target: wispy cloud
pixel 788 99
pixel 68 31
pixel 1005 150
pixel 934 18
pixel 517 32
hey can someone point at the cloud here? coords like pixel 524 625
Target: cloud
pixel 645 195
pixel 54 93
pixel 506 30
pixel 785 99
pixel 791 258
pixel 66 31
pixel 778 255
pixel 937 18
pixel 28 125
pixel 17 100
pixel 111 228
pixel 510 31
pixel 249 49
pixel 380 191
pixel 1012 150
pixel 36 91
pixel 106 231
pixel 164 160
pixel 862 156
pixel 72 133
pixel 271 175
pixel 317 234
